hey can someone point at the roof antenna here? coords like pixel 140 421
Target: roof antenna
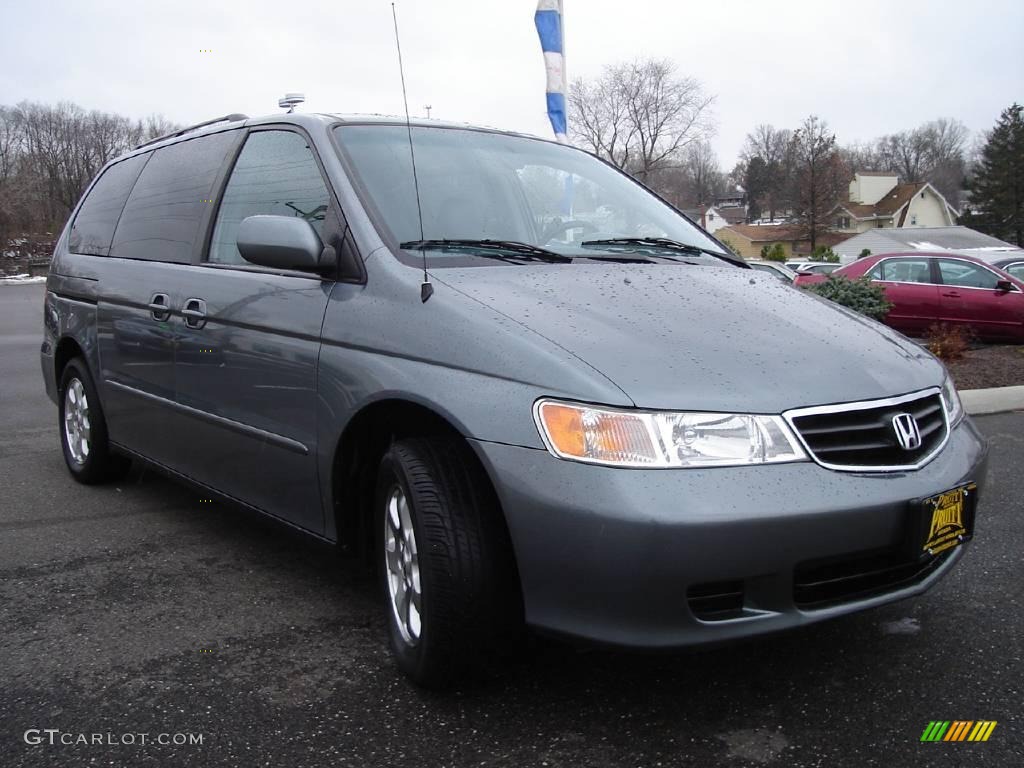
pixel 426 289
pixel 290 101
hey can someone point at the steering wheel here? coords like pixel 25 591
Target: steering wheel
pixel 555 227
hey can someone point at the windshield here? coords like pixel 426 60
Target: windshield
pixel 476 185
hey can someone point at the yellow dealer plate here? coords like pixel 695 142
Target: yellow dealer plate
pixel 948 527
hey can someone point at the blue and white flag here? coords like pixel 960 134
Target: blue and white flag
pixel 548 20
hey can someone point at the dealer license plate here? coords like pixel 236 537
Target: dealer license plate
pixel 949 517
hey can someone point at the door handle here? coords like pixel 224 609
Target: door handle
pixel 160 307
pixel 952 295
pixel 194 313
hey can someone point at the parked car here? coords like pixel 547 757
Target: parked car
pixel 818 268
pixel 611 435
pixel 774 268
pixel 1013 266
pixel 928 288
pixel 797 265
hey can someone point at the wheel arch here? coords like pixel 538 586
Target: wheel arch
pixel 66 350
pixel 358 452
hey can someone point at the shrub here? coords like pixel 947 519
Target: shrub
pixel 864 253
pixel 948 342
pixel 776 253
pixel 860 295
pixel 728 244
pixel 821 253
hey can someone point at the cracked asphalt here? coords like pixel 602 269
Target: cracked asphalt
pixel 140 609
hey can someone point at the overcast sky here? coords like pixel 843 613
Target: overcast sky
pixel 868 67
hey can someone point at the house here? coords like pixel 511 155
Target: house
pixel 748 239
pixel 954 239
pixel 879 201
pixel 733 199
pixel 713 219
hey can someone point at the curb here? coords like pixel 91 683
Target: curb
pixel 978 402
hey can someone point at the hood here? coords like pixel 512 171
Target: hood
pixel 703 338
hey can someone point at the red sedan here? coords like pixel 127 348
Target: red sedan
pixel 928 288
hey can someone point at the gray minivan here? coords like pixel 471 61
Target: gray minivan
pixel 530 390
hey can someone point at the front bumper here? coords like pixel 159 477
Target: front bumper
pixel 610 555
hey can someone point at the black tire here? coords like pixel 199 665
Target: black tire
pixel 471 609
pixel 99 464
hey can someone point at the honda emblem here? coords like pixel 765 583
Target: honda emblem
pixel 907 432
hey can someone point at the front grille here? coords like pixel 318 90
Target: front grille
pixel 819 584
pixel 861 435
pixel 716 601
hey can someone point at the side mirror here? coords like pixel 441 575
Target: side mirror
pixel 1005 286
pixel 283 242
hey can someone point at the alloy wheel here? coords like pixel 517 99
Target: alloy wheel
pixel 403 568
pixel 77 429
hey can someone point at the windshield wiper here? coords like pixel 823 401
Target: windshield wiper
pixel 664 243
pixel 512 249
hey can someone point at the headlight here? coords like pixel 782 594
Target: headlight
pixel 658 439
pixel 951 402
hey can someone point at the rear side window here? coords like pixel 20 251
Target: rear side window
pixel 276 174
pixel 162 217
pixel 93 228
pixel 902 271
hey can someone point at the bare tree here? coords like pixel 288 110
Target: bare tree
pixel 948 157
pixel 769 168
pixel 696 180
pixel 862 156
pixel 704 173
pixel 640 116
pixel 10 153
pixel 48 155
pixel 150 128
pixel 820 175
pixel 10 141
pixel 932 152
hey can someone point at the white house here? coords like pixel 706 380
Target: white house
pixel 879 201
pixel 713 219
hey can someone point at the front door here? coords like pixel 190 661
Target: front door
pixel 246 368
pixel 970 300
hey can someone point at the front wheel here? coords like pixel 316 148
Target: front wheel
pixel 83 429
pixel 447 571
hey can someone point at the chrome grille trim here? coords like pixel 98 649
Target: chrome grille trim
pixel 791 415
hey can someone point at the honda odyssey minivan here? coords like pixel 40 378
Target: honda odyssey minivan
pixel 531 391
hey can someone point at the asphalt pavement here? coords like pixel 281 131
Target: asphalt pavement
pixel 140 608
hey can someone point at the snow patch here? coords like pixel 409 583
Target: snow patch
pixel 22 279
pixel 906 626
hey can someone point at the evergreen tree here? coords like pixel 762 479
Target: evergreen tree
pixel 997 186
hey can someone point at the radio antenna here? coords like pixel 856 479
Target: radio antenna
pixel 426 289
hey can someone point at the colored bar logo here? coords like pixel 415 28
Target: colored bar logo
pixel 958 730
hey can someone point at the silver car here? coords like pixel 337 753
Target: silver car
pixel 528 390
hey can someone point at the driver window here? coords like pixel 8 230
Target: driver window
pixel 275 174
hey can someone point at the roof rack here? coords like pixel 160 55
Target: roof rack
pixel 233 117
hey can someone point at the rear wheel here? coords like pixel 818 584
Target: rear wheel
pixel 83 429
pixel 447 573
